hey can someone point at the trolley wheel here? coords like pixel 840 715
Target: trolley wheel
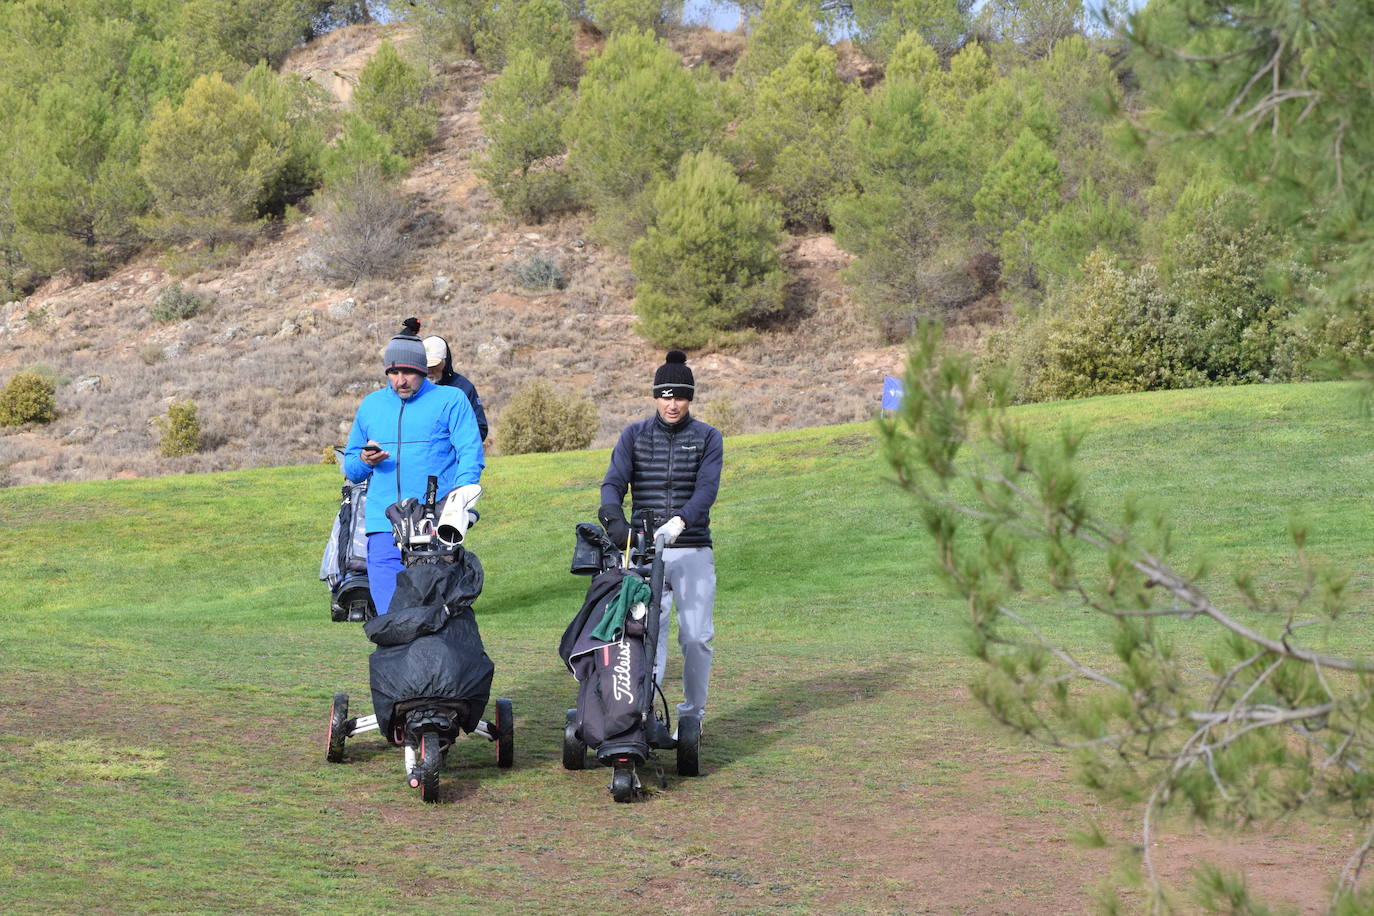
pixel 426 775
pixel 574 751
pixel 338 729
pixel 505 733
pixel 623 782
pixel 688 746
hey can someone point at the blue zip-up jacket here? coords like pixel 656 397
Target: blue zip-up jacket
pixel 431 433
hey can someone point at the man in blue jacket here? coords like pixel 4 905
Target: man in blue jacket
pixel 670 462
pixel 402 435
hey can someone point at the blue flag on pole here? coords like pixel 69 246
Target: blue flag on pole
pixel 892 392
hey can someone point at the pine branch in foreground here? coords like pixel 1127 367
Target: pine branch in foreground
pixel 1221 712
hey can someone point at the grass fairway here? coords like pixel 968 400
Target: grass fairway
pixel 166 664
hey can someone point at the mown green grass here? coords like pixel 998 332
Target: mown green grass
pixel 166 663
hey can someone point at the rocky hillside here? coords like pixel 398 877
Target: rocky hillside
pixel 279 359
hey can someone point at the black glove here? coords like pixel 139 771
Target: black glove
pixel 612 518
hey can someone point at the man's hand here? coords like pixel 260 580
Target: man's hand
pixel 671 529
pixel 612 518
pixel 373 454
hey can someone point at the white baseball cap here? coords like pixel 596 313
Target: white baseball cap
pixel 435 350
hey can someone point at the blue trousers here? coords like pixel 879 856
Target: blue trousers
pixel 383 565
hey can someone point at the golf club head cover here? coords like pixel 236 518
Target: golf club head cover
pixel 612 518
pixel 456 514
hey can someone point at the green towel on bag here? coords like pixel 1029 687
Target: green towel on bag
pixel 633 590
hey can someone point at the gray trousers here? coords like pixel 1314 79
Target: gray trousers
pixel 689 584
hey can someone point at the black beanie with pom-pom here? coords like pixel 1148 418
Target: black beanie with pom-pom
pixel 674 379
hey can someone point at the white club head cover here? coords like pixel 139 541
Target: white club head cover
pixel 453 513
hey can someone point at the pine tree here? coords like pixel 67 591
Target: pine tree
pixel 637 112
pixel 522 116
pixel 775 33
pixel 393 96
pixel 1018 192
pixel 792 141
pixel 709 261
pixel 541 27
pixel 613 16
pixel 881 24
pixel 208 163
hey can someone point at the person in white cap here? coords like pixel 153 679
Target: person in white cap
pixel 439 364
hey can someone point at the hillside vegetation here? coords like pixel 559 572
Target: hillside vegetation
pixel 234 204
pixel 168 664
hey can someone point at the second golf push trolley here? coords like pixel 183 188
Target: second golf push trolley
pixel 610 647
pixel 430 675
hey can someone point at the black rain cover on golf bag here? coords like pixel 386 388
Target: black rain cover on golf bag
pixel 428 646
pixel 344 565
pixel 613 677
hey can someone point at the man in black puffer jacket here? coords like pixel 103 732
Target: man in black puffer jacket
pixel 670 463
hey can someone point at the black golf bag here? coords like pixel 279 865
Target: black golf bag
pixel 613 665
pixel 609 648
pixel 344 565
pixel 429 667
pixel 430 675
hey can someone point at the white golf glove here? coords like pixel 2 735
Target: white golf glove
pixel 671 529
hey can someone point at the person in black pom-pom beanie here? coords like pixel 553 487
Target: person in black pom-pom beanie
pixel 670 463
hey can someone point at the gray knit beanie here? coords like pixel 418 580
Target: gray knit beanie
pixel 405 351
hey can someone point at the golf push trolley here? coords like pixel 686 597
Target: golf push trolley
pixel 430 675
pixel 610 648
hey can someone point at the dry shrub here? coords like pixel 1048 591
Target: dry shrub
pixel 539 419
pixel 721 414
pixel 366 228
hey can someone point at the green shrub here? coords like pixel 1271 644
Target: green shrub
pixel 360 146
pixel 180 429
pixel 27 398
pixel 1112 333
pixel 176 304
pixel 709 261
pixel 392 96
pixel 539 419
pixel 539 272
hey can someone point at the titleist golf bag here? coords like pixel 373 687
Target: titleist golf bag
pixel 609 648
